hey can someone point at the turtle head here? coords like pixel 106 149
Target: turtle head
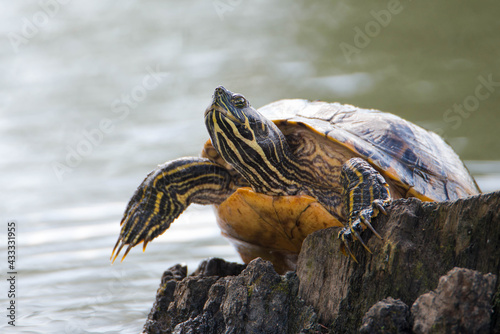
pixel 248 141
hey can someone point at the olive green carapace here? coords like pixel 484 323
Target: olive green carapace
pixel 293 167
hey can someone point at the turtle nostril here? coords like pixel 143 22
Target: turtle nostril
pixel 220 91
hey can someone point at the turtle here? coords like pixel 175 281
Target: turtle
pixel 292 167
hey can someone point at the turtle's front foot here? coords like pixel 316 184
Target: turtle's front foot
pixel 144 219
pixel 163 196
pixel 353 232
pixel 365 194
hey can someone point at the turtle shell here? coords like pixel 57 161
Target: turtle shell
pixel 418 161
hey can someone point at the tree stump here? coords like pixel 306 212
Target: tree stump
pixel 422 241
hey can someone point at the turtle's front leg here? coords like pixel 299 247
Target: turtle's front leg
pixel 165 193
pixel 365 194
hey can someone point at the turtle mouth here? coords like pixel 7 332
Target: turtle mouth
pixel 214 108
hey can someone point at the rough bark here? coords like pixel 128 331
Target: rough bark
pixel 460 304
pixel 389 315
pixel 422 242
pixel 258 300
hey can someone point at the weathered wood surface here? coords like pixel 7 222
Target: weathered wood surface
pixel 422 241
pixel 222 297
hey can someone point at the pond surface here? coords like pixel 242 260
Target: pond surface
pixel 95 94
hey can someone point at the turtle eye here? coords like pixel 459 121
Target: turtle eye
pixel 239 101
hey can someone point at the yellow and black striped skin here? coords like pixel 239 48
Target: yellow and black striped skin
pixel 251 144
pixel 165 193
pixel 258 150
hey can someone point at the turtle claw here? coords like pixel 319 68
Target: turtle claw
pixel 117 249
pixel 113 256
pixel 358 237
pixel 144 245
pixel 352 233
pixel 126 252
pixel 379 205
pixel 349 235
pixel 366 222
pixel 344 235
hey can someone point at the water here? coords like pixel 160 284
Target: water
pixel 95 94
